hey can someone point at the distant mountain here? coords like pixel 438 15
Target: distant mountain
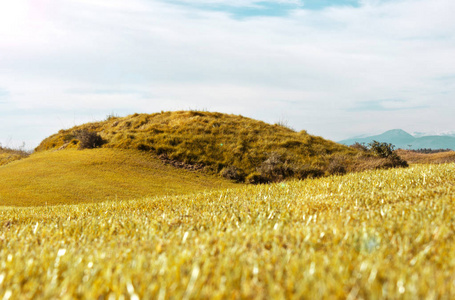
pixel 402 139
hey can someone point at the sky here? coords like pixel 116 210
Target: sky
pixel 334 68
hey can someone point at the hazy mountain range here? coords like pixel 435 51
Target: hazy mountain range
pixel 402 139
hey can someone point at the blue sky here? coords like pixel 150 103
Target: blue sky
pixel 283 8
pixel 334 68
pixel 3 95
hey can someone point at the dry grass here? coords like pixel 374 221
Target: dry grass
pixel 375 235
pixel 430 158
pixel 74 176
pixel 8 155
pixel 218 142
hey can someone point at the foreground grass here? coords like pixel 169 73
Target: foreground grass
pixel 374 235
pixel 76 176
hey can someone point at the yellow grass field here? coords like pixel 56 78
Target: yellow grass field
pixel 430 158
pixel 75 176
pixel 386 234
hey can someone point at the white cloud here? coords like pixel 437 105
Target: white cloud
pixel 238 3
pixel 312 66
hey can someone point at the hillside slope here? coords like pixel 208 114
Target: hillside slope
pixel 239 148
pixel 72 176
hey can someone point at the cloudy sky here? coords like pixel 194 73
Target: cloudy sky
pixel 336 68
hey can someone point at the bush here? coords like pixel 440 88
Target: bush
pixel 337 166
pixel 233 173
pixel 274 168
pixel 386 150
pixel 88 139
pixel 381 149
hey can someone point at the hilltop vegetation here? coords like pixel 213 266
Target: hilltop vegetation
pixel 374 235
pixel 72 176
pixel 236 147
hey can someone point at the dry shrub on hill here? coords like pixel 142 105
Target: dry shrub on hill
pixel 338 165
pixel 88 139
pixel 386 156
pixel 385 150
pixel 233 173
pixel 275 168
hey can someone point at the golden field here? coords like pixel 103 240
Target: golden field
pixel 427 158
pixel 77 176
pixel 384 234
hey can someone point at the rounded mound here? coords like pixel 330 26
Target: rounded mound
pixel 236 147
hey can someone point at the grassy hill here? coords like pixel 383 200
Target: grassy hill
pixel 386 234
pixel 236 147
pixel 137 156
pixel 75 176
